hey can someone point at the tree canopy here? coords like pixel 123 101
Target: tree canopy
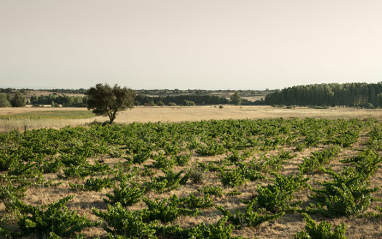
pixel 108 101
pixel 348 94
pixel 235 98
pixel 4 102
pixel 18 100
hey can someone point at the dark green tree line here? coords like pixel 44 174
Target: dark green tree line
pixel 65 101
pixel 181 100
pixel 349 94
pixel 4 102
pixel 17 100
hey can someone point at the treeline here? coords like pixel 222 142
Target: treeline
pixel 180 100
pixel 63 91
pixel 17 100
pixel 350 94
pixel 164 92
pixel 54 100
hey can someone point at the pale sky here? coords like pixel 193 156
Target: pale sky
pixel 189 44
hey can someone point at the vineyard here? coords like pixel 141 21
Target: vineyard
pixel 266 178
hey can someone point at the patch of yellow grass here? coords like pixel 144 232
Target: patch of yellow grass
pixel 145 114
pixel 197 113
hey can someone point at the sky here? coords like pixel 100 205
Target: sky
pixel 189 44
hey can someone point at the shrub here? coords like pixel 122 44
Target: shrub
pixel 213 231
pixel 140 157
pixel 166 210
pixel 193 201
pixel 347 138
pixel 249 173
pixel 92 184
pixel 196 175
pixel 166 183
pixel 347 194
pixel 212 190
pixel 86 169
pixel 54 217
pixel 163 162
pixel 278 197
pixel 126 194
pixel 125 224
pixel 319 158
pixel 211 149
pixel 182 160
pixel 171 148
pixel 322 230
pixel 250 218
pixel 232 178
pixel 366 162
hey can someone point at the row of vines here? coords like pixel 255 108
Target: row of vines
pixel 207 179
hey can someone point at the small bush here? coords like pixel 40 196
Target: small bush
pixel 348 194
pixel 211 149
pixel 54 217
pixel 166 210
pixel 92 184
pixel 196 175
pixel 212 190
pixel 126 194
pixel 250 218
pixel 163 162
pixel 125 224
pixel 182 160
pixel 278 197
pixel 232 178
pixel 166 183
pixel 193 201
pixel 322 230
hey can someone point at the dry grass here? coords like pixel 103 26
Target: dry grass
pixel 30 123
pixel 179 113
pixel 197 113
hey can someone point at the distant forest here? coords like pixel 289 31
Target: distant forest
pixel 321 95
pixel 54 100
pixel 350 94
pixel 187 100
pixel 78 98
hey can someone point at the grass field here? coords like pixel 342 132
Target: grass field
pixel 18 118
pixel 239 156
pixel 53 114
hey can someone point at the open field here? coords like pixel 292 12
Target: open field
pixel 238 159
pixel 178 114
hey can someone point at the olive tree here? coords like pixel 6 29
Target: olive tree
pixel 108 101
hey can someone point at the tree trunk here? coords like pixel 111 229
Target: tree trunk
pixel 112 119
pixel 112 116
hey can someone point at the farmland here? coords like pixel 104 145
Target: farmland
pixel 171 114
pixel 198 172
